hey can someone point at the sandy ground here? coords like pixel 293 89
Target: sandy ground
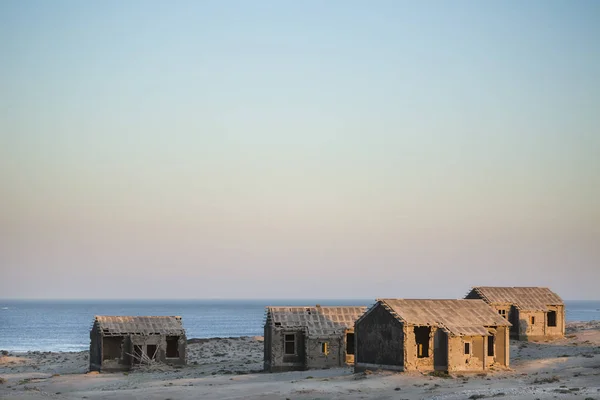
pixel 230 369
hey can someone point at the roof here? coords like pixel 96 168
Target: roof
pixel 127 325
pixel 456 317
pixel 524 298
pixel 317 321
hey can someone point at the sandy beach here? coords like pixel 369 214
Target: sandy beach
pixel 231 368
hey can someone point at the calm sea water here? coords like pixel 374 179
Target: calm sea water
pixel 65 325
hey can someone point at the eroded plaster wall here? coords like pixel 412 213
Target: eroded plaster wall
pixel 412 361
pixel 558 330
pixel 532 325
pixel 379 341
pixel 326 352
pixel 472 360
pixel 278 360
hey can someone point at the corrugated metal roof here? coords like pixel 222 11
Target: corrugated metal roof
pixel 317 321
pixel 133 325
pixel 524 298
pixel 457 317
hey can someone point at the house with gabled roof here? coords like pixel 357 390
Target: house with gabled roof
pixel 428 335
pixel 119 343
pixel 536 313
pixel 300 338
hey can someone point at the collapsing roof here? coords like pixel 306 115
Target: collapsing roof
pixel 456 317
pixel 318 321
pixel 524 298
pixel 127 325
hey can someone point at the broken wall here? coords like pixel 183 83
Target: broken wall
pixel 155 346
pixel 379 341
pixel 411 350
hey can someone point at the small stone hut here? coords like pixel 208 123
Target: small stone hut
pixel 536 313
pixel 428 335
pixel 300 338
pixel 120 343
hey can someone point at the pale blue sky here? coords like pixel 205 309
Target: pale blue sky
pixel 298 149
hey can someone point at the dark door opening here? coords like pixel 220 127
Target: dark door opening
pixel 491 346
pixel 422 339
pixel 151 351
pixel 172 347
pixel 350 343
pixel 551 318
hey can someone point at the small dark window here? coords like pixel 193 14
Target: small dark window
pixel 172 347
pixel 491 346
pixel 350 343
pixel 532 320
pixel 422 339
pixel 502 313
pixel 290 344
pixel 151 351
pixel 551 318
pixel 325 348
pixel 467 348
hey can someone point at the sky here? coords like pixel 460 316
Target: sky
pixel 283 149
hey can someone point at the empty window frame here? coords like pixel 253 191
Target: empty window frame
pixel 551 318
pixel 467 348
pixel 422 334
pixel 490 342
pixel 290 344
pixel 502 313
pixel 172 347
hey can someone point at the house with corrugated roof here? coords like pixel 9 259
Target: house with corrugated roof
pixel 536 313
pixel 119 343
pixel 431 335
pixel 300 338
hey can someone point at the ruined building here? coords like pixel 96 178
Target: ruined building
pixel 535 313
pixel 428 335
pixel 299 338
pixel 120 343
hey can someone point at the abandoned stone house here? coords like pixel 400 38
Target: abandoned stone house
pixel 536 313
pixel 300 338
pixel 428 335
pixel 120 343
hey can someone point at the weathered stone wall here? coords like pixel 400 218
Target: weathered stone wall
pixel 317 359
pixel 278 360
pixel 95 350
pixel 379 341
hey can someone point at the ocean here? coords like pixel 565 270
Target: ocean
pixel 28 325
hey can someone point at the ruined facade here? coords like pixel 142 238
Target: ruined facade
pixel 300 338
pixel 119 343
pixel 536 313
pixel 428 335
